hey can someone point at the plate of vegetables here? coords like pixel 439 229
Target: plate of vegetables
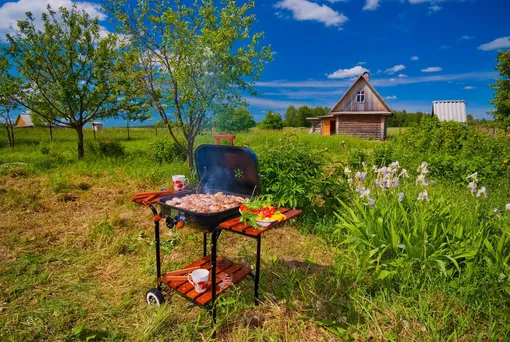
pixel 260 214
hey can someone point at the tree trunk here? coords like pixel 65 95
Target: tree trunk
pixel 189 153
pixel 129 138
pixel 81 150
pixel 10 136
pixel 51 133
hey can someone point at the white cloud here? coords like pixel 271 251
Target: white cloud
pixel 361 63
pixel 393 97
pixel 382 82
pixel 11 12
pixel 371 5
pixel 420 1
pixel 335 1
pixel 469 87
pixel 307 10
pixel 305 94
pixel 499 43
pixel 434 8
pixel 432 69
pixel 395 69
pixel 273 104
pixel 402 75
pixel 467 37
pixel 346 73
pixel 414 58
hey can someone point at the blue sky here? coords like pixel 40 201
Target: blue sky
pixel 417 51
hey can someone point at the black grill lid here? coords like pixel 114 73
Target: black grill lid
pixel 227 168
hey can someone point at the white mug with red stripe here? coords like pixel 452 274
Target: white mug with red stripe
pixel 179 182
pixel 198 278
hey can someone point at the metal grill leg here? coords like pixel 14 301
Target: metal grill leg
pixel 257 271
pixel 158 257
pixel 215 235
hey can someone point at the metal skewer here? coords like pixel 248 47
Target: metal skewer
pixel 253 192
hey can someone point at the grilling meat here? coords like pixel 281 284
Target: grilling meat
pixel 207 203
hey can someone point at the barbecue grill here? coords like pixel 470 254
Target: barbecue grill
pixel 232 170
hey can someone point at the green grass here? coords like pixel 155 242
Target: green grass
pixel 77 257
pixel 391 131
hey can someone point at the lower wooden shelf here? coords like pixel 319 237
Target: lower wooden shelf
pixel 223 267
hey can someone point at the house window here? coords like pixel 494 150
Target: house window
pixel 360 96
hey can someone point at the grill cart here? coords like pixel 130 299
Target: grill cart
pixel 232 170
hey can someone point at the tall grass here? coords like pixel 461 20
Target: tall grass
pixel 77 257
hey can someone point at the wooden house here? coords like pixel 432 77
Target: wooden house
pixel 24 121
pixel 360 112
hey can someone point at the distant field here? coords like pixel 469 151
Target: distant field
pixel 395 130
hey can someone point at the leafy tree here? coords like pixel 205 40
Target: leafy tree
pixel 501 88
pixel 195 57
pixel 70 74
pixel 404 119
pixel 272 121
pixel 8 88
pixel 290 117
pixel 303 113
pixel 234 120
pixel 319 111
pixel 297 118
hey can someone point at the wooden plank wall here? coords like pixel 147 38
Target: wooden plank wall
pixel 362 125
pixel 349 103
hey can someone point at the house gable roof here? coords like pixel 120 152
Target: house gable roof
pixel 23 120
pixel 361 78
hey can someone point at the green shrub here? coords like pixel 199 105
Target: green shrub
pixel 164 149
pixel 453 150
pixel 357 157
pixel 383 153
pixel 298 177
pixel 45 150
pixel 106 148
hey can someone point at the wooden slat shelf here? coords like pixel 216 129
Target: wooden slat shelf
pixel 235 226
pixel 223 267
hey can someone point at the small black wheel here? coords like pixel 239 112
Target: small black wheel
pixel 154 297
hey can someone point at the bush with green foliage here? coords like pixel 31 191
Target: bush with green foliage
pixel 297 176
pixel 164 150
pixel 234 120
pixel 272 121
pixel 106 148
pixel 453 150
